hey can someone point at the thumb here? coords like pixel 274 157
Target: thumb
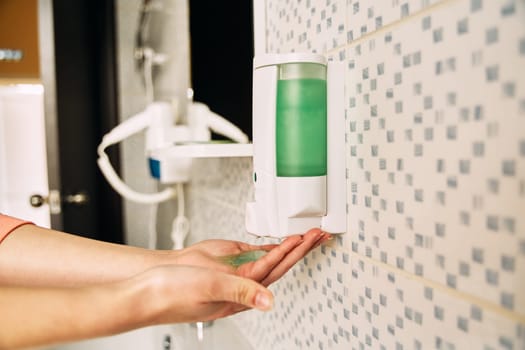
pixel 244 291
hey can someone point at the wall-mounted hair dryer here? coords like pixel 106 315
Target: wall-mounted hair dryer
pixel 298 145
pixel 158 123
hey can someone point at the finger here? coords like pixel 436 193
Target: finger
pixel 262 267
pixel 310 240
pixel 243 291
pixel 327 237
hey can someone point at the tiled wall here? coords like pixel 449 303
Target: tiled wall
pixel 435 112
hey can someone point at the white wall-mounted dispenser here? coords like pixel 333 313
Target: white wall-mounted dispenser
pixel 298 145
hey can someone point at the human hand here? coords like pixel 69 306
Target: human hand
pixel 220 255
pixel 176 294
pixel 161 295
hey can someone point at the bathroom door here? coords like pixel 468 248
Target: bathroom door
pixel 23 162
pixel 23 168
pixel 77 65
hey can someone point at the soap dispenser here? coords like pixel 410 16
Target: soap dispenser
pixel 298 145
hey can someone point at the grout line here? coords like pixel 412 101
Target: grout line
pixel 488 305
pixel 392 25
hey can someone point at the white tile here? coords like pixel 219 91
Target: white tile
pixel 395 311
pixel 364 17
pixel 311 26
pixel 434 142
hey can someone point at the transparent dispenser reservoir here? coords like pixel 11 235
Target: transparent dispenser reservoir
pixel 301 149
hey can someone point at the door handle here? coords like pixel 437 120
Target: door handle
pixel 37 200
pixel 55 200
pixel 79 198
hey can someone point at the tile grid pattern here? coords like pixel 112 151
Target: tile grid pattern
pixel 408 111
pixel 435 252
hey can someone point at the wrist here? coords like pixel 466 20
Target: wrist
pixel 132 303
pixel 148 295
pixel 162 257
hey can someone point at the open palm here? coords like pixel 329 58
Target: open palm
pixel 224 255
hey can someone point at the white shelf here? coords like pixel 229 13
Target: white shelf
pixel 205 150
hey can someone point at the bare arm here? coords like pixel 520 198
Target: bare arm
pixel 35 256
pixel 168 294
pixel 57 287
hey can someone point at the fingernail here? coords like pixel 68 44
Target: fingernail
pixel 263 301
pixel 324 240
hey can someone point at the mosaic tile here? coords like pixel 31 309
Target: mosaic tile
pixel 308 25
pixel 449 191
pixel 435 145
pixel 217 196
pixel 367 16
pixel 311 311
pixel 394 311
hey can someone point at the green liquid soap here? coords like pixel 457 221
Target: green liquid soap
pixel 243 258
pixel 301 127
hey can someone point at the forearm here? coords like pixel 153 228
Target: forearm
pixel 163 295
pixel 34 256
pixel 44 316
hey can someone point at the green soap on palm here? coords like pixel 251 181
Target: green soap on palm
pixel 243 258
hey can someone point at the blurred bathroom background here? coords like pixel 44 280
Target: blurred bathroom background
pixel 434 256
